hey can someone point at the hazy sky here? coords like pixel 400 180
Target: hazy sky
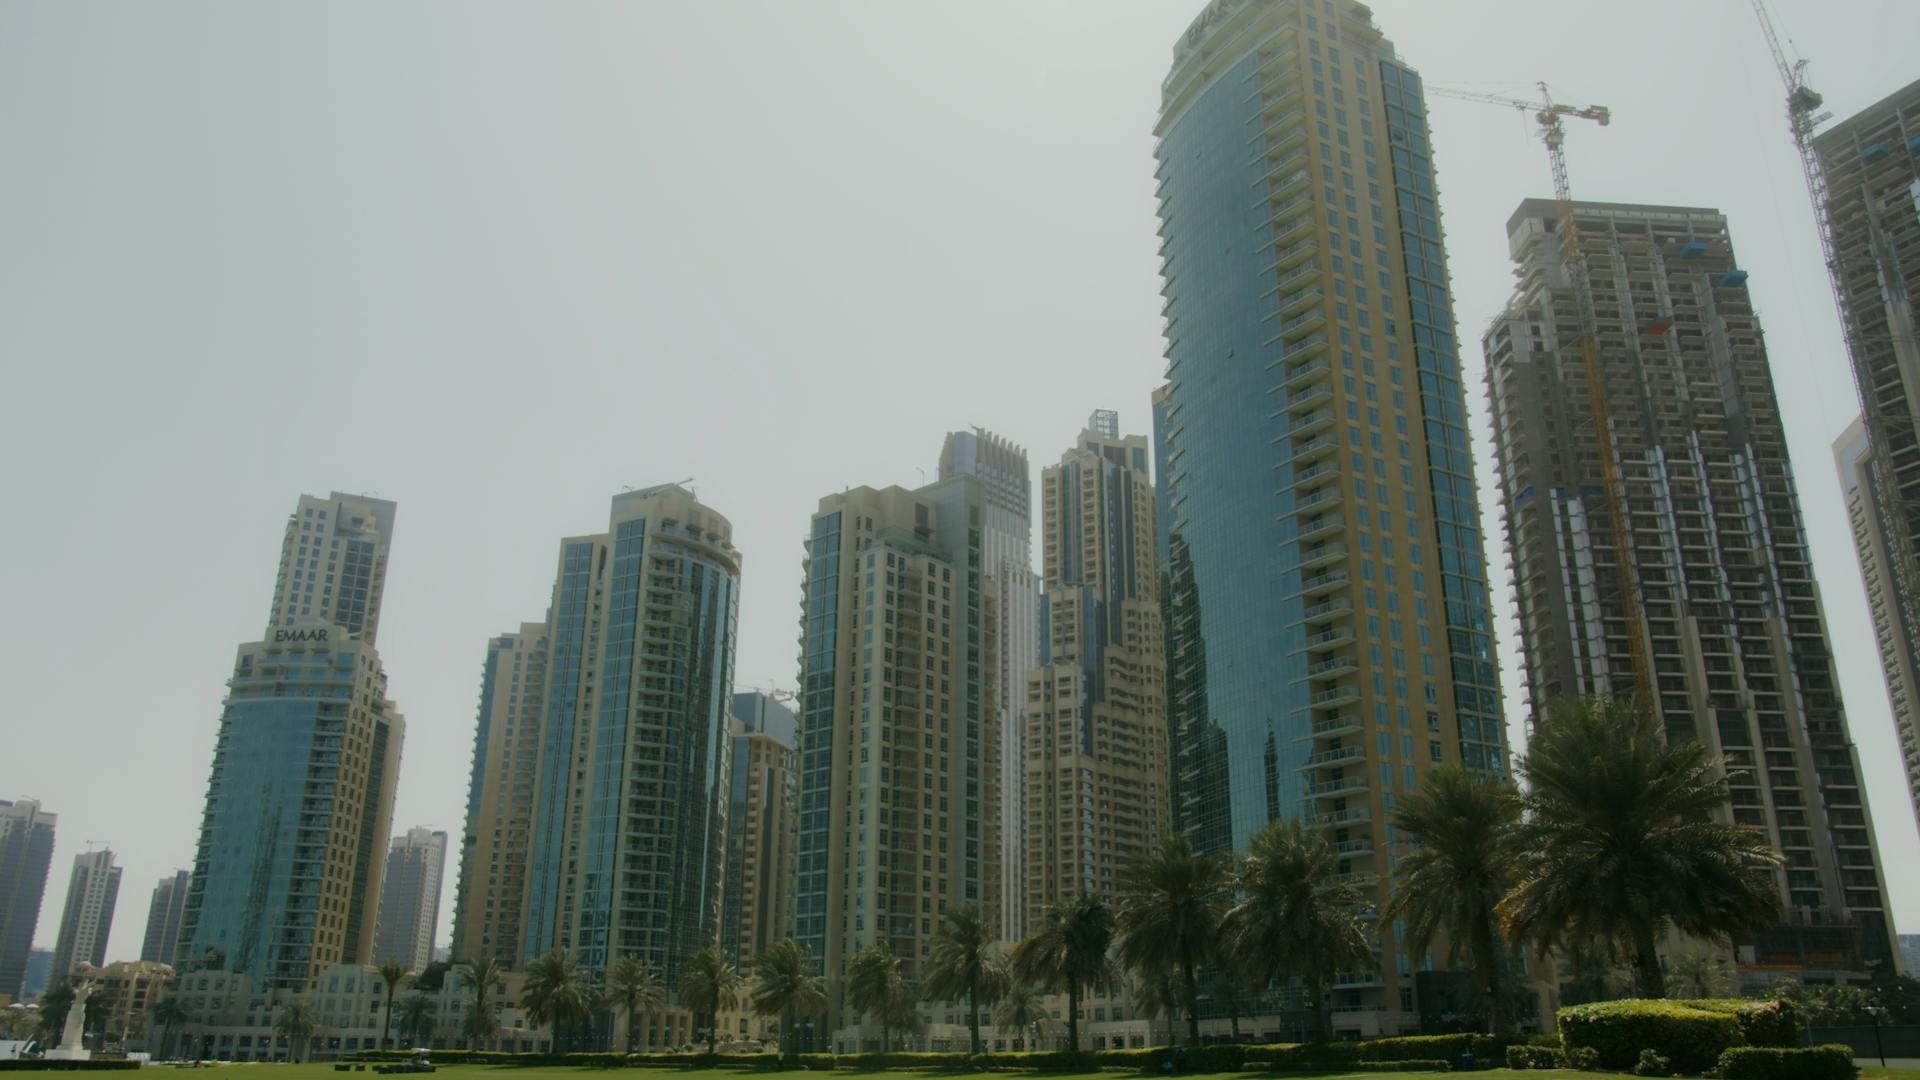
pixel 495 261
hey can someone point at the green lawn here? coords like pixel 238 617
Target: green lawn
pixel 512 1072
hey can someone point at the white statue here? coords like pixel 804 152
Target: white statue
pixel 70 1047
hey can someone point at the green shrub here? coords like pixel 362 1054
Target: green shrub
pixel 1448 1048
pixel 87 1065
pixel 1830 1062
pixel 1037 1060
pixel 1652 1064
pixel 1583 1058
pixel 1536 1057
pixel 1618 1030
pixel 1762 1022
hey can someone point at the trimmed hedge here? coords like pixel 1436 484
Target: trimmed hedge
pixel 1536 1057
pixel 1693 1039
pixel 67 1064
pixel 1652 1064
pixel 1762 1023
pixel 1831 1062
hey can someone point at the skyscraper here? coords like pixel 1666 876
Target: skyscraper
pixel 1328 609
pixel 39 966
pixel 1718 552
pixel 898 752
pixel 759 825
pixel 286 875
pixel 164 910
pixel 1095 765
pixel 26 853
pixel 493 849
pixel 1872 541
pixel 88 916
pixel 1008 538
pixel 410 898
pixel 629 808
pixel 1870 163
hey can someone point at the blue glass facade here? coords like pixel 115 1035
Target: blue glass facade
pixel 547 870
pixel 1327 615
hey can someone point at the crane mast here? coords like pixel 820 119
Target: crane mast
pixel 1549 114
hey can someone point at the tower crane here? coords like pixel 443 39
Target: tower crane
pixel 1804 114
pixel 1549 114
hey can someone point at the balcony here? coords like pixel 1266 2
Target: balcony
pixel 1329 639
pixel 1320 499
pixel 1310 423
pixel 1305 374
pixel 1335 757
pixel 1337 788
pixel 1309 396
pixel 1304 347
pixel 1324 555
pixel 1293 255
pixel 1333 727
pixel 1359 815
pixel 1314 449
pixel 1327 610
pixel 1353 848
pixel 1339 665
pixel 1357 980
pixel 1334 698
pixel 1321 584
pixel 1315 528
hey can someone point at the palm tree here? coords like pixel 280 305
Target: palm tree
pixel 391 973
pixel 1157 993
pixel 1171 902
pixel 483 1016
pixel 1068 951
pixel 55 1003
pixel 168 1014
pixel 1295 914
pixel 555 992
pixel 1460 827
pixel 634 988
pixel 964 964
pixel 708 987
pixel 875 987
pixel 1023 1009
pixel 1621 842
pixel 1698 973
pixel 295 1023
pixel 784 985
pixel 416 1019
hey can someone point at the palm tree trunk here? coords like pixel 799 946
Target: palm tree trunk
pixel 1193 1002
pixel 386 1029
pixel 973 1019
pixel 1646 963
pixel 1073 1016
pixel 1486 957
pixel 1322 1022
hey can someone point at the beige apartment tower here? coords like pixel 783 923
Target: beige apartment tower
pixel 1095 761
pixel 897 743
pixel 759 894
pixel 1873 541
pixel 492 877
pixel 1731 611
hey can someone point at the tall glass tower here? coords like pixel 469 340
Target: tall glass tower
pixel 628 835
pixel 1321 528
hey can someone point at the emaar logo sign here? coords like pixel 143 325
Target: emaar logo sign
pixel 315 634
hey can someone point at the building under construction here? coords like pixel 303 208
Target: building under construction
pixel 1869 168
pixel 1729 609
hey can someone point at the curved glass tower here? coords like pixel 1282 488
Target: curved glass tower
pixel 1329 632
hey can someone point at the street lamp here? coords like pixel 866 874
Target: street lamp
pixel 1877 1012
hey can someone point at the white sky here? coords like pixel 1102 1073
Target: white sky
pixel 495 261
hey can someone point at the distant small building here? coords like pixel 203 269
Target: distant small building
pixel 127 989
pixel 1910 954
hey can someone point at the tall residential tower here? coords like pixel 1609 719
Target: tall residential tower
pixel 286 876
pixel 493 849
pixel 759 893
pixel 1008 538
pixel 87 918
pixel 26 853
pixel 628 840
pixel 1330 633
pixel 898 744
pixel 164 911
pixel 410 898
pixel 1870 163
pixel 1095 722
pixel 1731 608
